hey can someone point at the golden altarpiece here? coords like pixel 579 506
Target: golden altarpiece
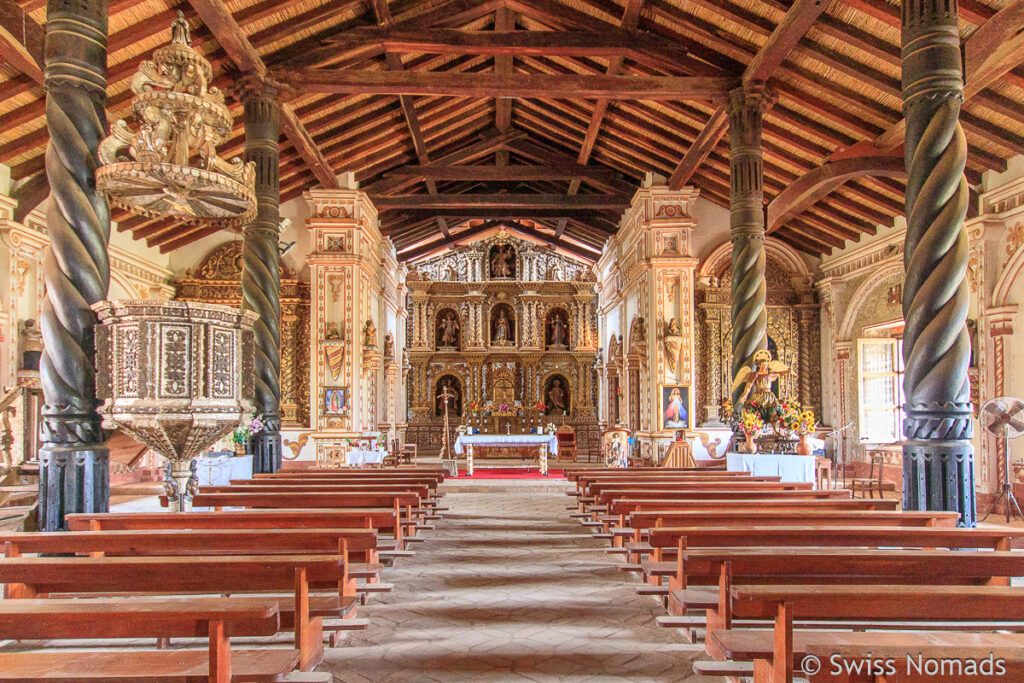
pixel 218 280
pixel 511 329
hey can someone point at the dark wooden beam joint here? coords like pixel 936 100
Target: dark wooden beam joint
pixel 747 105
pixel 74 467
pixel 21 40
pixel 938 467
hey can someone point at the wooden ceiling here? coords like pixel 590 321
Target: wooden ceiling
pixel 545 115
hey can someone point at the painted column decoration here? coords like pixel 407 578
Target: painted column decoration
pixel 747 105
pixel 261 266
pixel 74 470
pixel 938 459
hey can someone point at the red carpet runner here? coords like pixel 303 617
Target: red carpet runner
pixel 511 473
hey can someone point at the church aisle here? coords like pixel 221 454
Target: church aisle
pixel 508 587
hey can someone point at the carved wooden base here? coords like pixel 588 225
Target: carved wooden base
pixel 940 476
pixel 266 452
pixel 72 479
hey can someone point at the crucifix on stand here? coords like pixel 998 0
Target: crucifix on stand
pixel 447 457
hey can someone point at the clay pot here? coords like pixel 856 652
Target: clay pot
pixel 749 445
pixel 803 446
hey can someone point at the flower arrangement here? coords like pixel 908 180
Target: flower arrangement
pixel 540 406
pixel 751 424
pixel 244 433
pixel 799 420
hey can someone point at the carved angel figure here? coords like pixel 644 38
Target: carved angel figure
pixel 758 379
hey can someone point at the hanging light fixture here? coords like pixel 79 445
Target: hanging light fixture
pixel 168 165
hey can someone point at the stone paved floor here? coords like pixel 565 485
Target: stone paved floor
pixel 509 587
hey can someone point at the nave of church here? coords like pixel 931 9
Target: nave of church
pixel 313 311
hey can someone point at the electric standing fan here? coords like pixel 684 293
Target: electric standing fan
pixel 1003 417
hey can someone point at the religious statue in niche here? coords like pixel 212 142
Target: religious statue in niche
pixel 389 346
pixel 672 342
pixel 556 396
pixel 757 381
pixel 332 333
pixel 448 331
pixel 369 335
pixel 502 330
pixel 558 331
pixel 30 342
pixel 503 261
pixel 448 387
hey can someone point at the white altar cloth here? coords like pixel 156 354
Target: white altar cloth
pixel 357 457
pixel 791 468
pixel 513 440
pixel 219 470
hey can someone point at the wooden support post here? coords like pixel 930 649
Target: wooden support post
pixel 220 653
pixel 74 471
pixel 938 459
pixel 261 276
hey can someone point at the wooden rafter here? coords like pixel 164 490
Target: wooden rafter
pixel 501 201
pixel 21 40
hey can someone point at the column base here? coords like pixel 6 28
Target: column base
pixel 939 475
pixel 266 452
pixel 72 479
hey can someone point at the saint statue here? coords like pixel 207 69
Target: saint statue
pixel 332 333
pixel 448 399
pixel 369 334
pixel 501 261
pixel 502 332
pixel 757 380
pixel 556 398
pixel 449 330
pixel 672 341
pixel 558 334
pixel 389 345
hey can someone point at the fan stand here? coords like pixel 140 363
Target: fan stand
pixel 1006 493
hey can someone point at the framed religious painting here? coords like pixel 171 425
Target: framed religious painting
pixel 675 407
pixel 336 401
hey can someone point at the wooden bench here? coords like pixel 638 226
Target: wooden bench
pixel 783 604
pixel 607 499
pixel 665 544
pixel 215 618
pixel 29 577
pixel 624 506
pixel 379 519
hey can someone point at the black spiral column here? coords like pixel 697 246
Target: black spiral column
pixel 74 474
pixel 747 105
pixel 938 461
pixel 261 274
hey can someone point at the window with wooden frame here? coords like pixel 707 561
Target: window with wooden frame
pixel 880 383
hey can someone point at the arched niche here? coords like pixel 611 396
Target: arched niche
pixel 501 261
pixel 448 330
pixel 557 395
pixel 502 329
pixel 556 330
pixel 454 386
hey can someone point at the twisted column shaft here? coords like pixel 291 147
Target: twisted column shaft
pixel 74 473
pixel 747 105
pixel 938 458
pixel 261 274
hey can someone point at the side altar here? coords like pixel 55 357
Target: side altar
pixel 510 328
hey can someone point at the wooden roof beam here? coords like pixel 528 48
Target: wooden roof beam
pixel 21 40
pixel 615 202
pixel 508 173
pixel 800 17
pixel 233 40
pixel 461 84
pixel 504 20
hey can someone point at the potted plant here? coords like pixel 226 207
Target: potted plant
pixel 242 434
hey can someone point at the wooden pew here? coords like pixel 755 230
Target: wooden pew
pixel 185 542
pixel 30 577
pixel 571 473
pixel 783 604
pixel 665 543
pixel 379 519
pixel 213 618
pixel 606 501
pixel 624 506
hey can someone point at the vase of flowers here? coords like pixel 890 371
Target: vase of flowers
pixel 751 425
pixel 242 434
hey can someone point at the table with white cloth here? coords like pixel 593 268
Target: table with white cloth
pixel 220 469
pixel 791 468
pixel 545 444
pixel 357 457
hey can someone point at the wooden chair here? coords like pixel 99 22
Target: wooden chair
pixel 873 482
pixel 566 436
pixel 407 455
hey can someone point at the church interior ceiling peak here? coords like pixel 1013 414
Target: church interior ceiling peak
pixel 455 114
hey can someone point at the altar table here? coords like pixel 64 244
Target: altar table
pixel 791 468
pixel 544 443
pixel 357 457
